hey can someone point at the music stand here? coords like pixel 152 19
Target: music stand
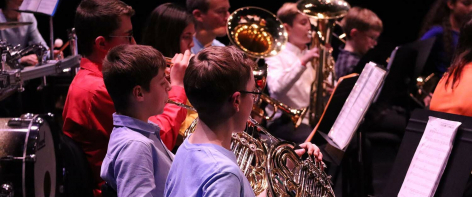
pixel 459 165
pixel 335 104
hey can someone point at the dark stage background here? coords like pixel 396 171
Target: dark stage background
pixel 402 18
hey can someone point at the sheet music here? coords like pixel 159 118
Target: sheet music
pixel 356 104
pixel 430 159
pixel 40 6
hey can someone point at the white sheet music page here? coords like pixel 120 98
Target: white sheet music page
pixel 430 159
pixel 40 6
pixel 356 104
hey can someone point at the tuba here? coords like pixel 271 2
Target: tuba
pixel 260 34
pixel 322 15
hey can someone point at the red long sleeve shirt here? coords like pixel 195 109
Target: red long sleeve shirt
pixel 88 115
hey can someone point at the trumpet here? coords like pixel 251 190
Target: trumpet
pixel 181 105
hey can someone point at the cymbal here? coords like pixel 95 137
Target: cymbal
pixel 8 25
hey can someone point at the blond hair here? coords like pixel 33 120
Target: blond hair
pixel 361 19
pixel 287 13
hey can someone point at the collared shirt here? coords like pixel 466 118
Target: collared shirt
pixel 454 100
pixel 289 81
pixel 206 170
pixel 197 47
pixel 346 63
pixel 137 162
pixel 88 115
pixel 23 35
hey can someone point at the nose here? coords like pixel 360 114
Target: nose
pixel 133 41
pixel 191 45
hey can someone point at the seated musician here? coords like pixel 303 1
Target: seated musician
pixel 290 74
pixel 210 22
pixel 170 30
pixel 23 35
pixel 137 162
pixel 101 25
pixel 220 85
pixel 362 28
pixel 453 93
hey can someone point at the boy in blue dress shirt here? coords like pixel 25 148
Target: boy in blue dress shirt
pixel 137 162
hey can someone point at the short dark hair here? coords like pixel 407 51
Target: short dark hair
pixel 213 75
pixel 95 18
pixel 361 19
pixel 202 5
pixel 127 66
pixel 164 28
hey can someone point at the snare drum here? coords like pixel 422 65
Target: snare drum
pixel 28 164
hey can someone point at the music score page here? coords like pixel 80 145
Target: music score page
pixel 430 159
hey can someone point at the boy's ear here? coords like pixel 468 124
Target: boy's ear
pixel 354 33
pixel 236 101
pixel 450 5
pixel 287 27
pixel 138 93
pixel 197 15
pixel 101 43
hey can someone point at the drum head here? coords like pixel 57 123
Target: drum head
pixel 45 165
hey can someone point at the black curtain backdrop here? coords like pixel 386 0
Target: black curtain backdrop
pixel 402 18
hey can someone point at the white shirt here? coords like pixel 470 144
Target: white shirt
pixel 288 80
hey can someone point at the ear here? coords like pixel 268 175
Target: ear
pixel 287 27
pixel 450 5
pixel 138 93
pixel 354 33
pixel 236 101
pixel 101 44
pixel 197 14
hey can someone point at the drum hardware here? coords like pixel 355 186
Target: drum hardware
pixel 7 25
pixel 7 190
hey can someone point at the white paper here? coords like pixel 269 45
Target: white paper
pixel 430 159
pixel 356 104
pixel 41 6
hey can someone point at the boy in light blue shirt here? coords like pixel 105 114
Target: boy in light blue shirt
pixel 220 85
pixel 137 162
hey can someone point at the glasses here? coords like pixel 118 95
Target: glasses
pixel 130 38
pixel 256 93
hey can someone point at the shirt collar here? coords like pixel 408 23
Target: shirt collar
pixel 144 128
pixel 341 50
pixel 91 66
pixel 291 47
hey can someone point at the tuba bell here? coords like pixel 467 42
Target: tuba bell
pixel 323 15
pixel 260 34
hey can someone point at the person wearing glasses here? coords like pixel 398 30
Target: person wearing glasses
pixel 220 85
pixel 88 112
pixel 362 28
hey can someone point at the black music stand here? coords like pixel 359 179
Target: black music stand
pixel 459 166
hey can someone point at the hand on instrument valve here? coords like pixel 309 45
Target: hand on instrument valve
pixel 309 56
pixel 29 60
pixel 180 64
pixel 311 149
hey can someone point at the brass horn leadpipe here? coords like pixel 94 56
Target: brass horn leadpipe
pixel 181 105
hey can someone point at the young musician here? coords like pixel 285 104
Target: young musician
pixel 220 85
pixel 290 74
pixel 453 93
pixel 170 30
pixel 137 162
pixel 23 35
pixel 101 25
pixel 443 22
pixel 210 22
pixel 362 28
